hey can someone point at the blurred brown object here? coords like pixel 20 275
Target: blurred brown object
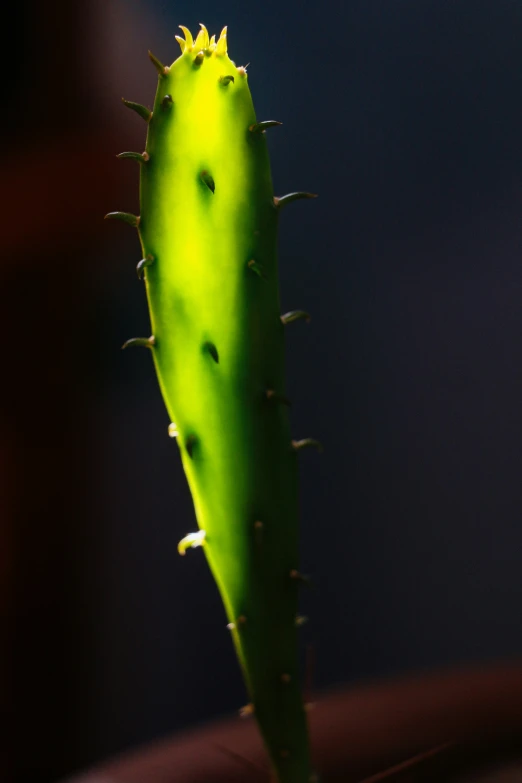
pixel 57 183
pixel 46 306
pixel 417 729
pixel 58 191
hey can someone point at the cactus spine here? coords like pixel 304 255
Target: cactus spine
pixel 207 227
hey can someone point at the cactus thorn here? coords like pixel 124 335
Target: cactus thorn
pixel 139 342
pixel 297 445
pixel 208 180
pixel 125 217
pixel 182 43
pixel 191 541
pixel 297 575
pixel 143 112
pixel 257 268
pixel 225 80
pixel 246 711
pixel 211 349
pixel 189 43
pixel 289 197
pixel 141 157
pixel 241 620
pixel 273 395
pixel 173 430
pixel 295 315
pixel 161 69
pixel 166 102
pixel 143 264
pixel 221 47
pixel 198 59
pixel 202 41
pixel 260 127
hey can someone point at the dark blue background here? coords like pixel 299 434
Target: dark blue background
pixel 405 118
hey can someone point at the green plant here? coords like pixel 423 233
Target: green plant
pixel 208 225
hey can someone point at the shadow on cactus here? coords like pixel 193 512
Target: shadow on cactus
pixel 208 231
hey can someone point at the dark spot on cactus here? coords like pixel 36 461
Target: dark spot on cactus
pixel 208 180
pixel 198 59
pixel 211 349
pixel 166 102
pixel 225 80
pixel 257 268
pixel 190 443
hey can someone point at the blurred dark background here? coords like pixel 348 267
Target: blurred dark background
pixel 406 118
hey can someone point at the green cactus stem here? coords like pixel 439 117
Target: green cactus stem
pixel 208 232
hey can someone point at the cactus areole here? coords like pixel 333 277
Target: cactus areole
pixel 208 231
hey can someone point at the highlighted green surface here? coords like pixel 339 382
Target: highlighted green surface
pixel 208 226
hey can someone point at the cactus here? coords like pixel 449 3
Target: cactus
pixel 208 229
